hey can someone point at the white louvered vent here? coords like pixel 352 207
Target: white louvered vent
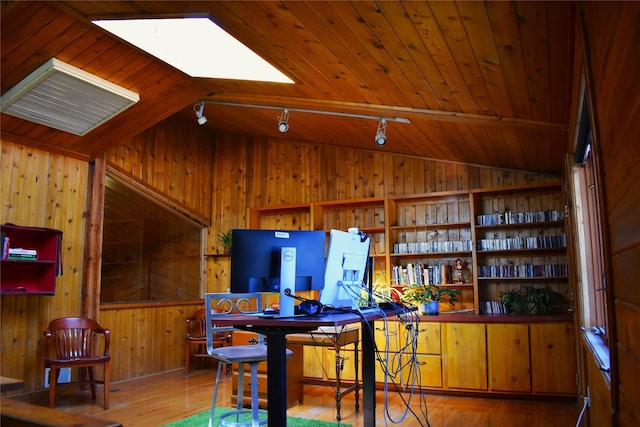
pixel 67 98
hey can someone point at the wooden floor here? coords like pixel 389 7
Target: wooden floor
pixel 160 399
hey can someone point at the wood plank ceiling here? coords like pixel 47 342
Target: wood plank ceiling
pixel 481 82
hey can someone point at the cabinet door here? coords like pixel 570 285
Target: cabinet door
pixel 508 357
pixel 429 338
pixel 553 358
pixel 465 356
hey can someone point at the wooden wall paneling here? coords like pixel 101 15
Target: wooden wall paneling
pixel 611 33
pixel 58 185
pixel 627 322
pixel 166 159
pixel 398 174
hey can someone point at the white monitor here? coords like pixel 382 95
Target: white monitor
pixel 345 269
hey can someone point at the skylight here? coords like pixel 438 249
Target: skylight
pixel 195 46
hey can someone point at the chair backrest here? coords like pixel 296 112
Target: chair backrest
pixel 196 325
pixel 226 303
pixel 76 338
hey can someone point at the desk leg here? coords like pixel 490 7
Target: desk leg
pixel 277 383
pixel 368 375
pixel 336 347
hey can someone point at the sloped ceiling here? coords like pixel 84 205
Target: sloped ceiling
pixel 481 82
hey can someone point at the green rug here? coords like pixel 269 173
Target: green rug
pixel 202 420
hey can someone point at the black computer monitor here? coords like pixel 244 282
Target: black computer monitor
pixel 256 255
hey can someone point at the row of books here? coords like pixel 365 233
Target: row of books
pixel 492 307
pixel 430 247
pixel 421 274
pixel 539 242
pixel 525 270
pixel 16 253
pixel 520 217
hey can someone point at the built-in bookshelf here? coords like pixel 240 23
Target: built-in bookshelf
pixel 505 237
pixel 427 234
pixel 520 241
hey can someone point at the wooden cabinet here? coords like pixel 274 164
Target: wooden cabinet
pixel 36 271
pixel 508 358
pixel 522 359
pixel 553 358
pixel 465 356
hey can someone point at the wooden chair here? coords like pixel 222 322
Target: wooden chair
pixel 74 342
pixel 196 335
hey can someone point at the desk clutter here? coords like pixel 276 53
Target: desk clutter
pixel 335 330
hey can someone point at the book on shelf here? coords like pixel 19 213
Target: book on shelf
pixel 422 274
pixel 508 217
pixel 22 254
pixel 4 239
pixel 492 307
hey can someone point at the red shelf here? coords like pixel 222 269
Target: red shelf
pixel 31 276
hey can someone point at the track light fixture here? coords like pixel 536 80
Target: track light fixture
pixel 283 121
pixel 381 135
pixel 199 109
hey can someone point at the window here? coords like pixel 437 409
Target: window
pixel 149 251
pixel 589 244
pixel 591 250
pixel 195 45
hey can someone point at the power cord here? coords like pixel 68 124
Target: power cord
pixel 584 409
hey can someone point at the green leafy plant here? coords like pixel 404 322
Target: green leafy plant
pixel 225 240
pixel 417 294
pixel 515 301
pixel 530 300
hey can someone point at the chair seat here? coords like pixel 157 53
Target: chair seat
pixel 77 360
pixel 243 353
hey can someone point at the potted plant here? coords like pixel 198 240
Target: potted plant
pixel 427 297
pixel 225 240
pixel 530 300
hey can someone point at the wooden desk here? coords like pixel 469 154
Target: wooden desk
pixel 16 413
pixel 335 338
pixel 276 331
pixel 9 384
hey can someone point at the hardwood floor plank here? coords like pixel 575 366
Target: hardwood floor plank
pixel 167 397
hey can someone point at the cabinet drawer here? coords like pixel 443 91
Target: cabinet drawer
pixel 430 368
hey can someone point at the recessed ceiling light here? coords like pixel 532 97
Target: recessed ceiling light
pixel 195 46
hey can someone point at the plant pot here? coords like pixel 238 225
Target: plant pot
pixel 227 250
pixel 429 308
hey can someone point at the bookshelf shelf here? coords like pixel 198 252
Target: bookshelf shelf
pixel 30 276
pixel 418 255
